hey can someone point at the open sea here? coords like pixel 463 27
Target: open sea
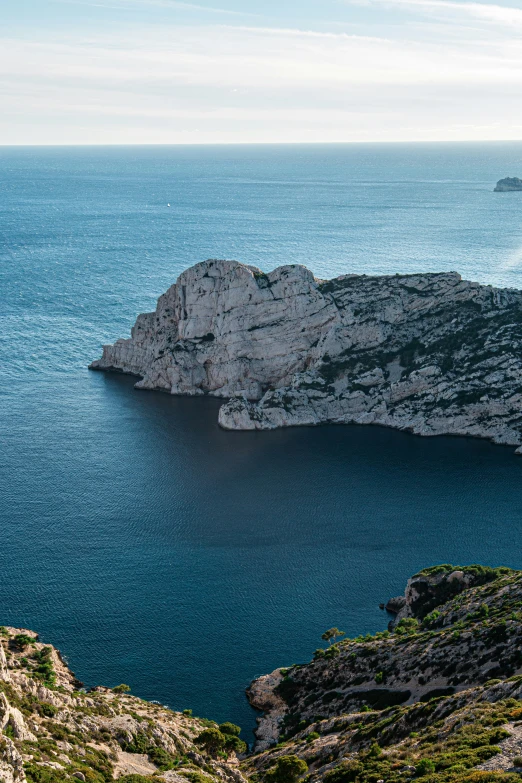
pixel 150 546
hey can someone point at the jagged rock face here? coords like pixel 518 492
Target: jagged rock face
pixel 225 328
pixel 428 353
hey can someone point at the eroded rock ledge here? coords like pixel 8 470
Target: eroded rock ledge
pixel 429 353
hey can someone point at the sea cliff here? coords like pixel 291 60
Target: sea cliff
pixel 429 353
pixel 52 730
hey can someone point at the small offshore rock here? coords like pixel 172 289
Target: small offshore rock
pixel 508 184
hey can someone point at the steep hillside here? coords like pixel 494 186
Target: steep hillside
pixel 436 697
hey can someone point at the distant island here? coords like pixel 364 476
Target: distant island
pixel 437 697
pixel 507 184
pixel 429 353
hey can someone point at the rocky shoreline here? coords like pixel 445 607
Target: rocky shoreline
pixel 431 353
pixel 437 697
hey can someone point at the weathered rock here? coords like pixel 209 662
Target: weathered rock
pixel 11 762
pixel 394 605
pixel 4 671
pixel 427 353
pixel 262 695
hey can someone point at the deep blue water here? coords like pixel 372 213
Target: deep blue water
pixel 156 549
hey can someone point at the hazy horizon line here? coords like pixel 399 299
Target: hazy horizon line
pixel 263 143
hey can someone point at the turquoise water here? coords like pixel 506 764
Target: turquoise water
pixel 156 549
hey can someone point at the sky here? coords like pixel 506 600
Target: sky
pixel 258 71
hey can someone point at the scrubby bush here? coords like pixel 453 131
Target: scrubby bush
pixel 234 745
pixel 425 767
pixel 345 773
pixel 22 640
pixel 211 740
pixel 136 779
pixel 122 688
pixel 229 728
pixel 288 769
pixel 194 776
pixel 161 758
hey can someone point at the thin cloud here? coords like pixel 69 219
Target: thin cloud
pixel 499 14
pixel 174 4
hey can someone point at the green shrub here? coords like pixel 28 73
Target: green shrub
pixel 140 743
pixel 425 767
pixel 122 688
pixel 37 774
pixel 45 670
pixel 233 744
pixel 22 640
pixel 288 769
pixel 211 740
pixel 346 773
pixel 136 779
pixel 194 776
pixel 312 736
pixel 230 728
pixel 161 758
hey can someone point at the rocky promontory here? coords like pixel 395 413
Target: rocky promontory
pixel 429 353
pixel 507 184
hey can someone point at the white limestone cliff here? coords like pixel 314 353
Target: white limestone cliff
pixel 428 353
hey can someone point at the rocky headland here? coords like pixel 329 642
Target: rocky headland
pixel 507 184
pixel 429 353
pixel 437 698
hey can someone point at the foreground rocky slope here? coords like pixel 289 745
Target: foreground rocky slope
pixel 428 353
pixel 438 697
pixel 53 731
